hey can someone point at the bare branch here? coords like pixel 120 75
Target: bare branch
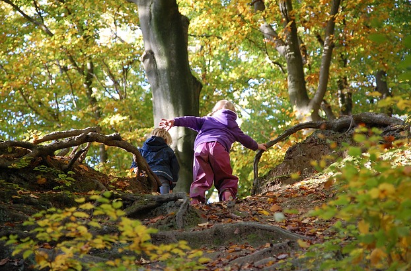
pixel 79 139
pixel 65 134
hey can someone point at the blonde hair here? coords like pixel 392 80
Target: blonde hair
pixel 160 132
pixel 223 104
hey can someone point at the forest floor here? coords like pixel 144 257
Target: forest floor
pixel 287 207
pixel 252 233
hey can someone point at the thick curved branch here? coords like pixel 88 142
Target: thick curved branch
pixel 114 140
pixel 338 125
pixel 65 134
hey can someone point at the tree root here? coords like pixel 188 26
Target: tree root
pixel 261 257
pixel 223 234
pixel 147 203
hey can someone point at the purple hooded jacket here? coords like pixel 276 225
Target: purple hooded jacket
pixel 221 127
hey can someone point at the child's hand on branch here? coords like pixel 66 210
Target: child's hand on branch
pixel 262 147
pixel 166 124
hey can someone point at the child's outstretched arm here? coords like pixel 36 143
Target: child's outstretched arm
pixel 166 124
pixel 262 147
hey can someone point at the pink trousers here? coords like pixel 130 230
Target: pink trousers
pixel 212 163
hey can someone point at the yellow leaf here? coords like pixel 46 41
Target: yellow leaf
pixel 87 206
pixel 374 193
pixel 80 214
pixel 80 200
pixel 295 175
pixel 264 212
pixel 41 257
pixel 302 243
pixel 386 189
pixel 374 94
pixel 363 227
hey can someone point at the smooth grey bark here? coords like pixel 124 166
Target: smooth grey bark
pixel 306 108
pixel 296 77
pixel 175 89
pixel 315 102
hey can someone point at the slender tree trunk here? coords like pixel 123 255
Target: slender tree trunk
pixel 175 90
pixel 306 109
pixel 316 101
pixel 88 81
pixel 382 87
pixel 345 96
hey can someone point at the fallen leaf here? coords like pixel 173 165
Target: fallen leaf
pixel 275 208
pixel 41 180
pixel 302 243
pixel 4 261
pixel 34 196
pixel 282 256
pixel 328 184
pixel 264 212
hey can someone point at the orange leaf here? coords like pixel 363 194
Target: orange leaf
pixel 41 180
pixel 4 261
pixel 376 256
pixel 275 208
pixel 328 184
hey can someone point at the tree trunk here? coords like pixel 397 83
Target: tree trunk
pixel 345 96
pixel 306 109
pixel 315 102
pixel 382 87
pixel 295 77
pixel 175 90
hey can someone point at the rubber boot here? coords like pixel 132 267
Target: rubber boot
pixel 194 201
pixel 227 196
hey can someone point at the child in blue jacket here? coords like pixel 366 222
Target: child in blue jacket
pixel 161 158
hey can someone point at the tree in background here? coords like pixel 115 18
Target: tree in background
pixel 72 64
pixel 175 90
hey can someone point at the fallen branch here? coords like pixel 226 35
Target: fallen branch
pixel 80 138
pixel 65 134
pixel 342 124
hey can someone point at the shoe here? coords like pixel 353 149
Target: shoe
pixel 227 196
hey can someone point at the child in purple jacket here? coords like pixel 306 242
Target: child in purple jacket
pixel 216 134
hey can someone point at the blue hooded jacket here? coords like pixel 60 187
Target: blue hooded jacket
pixel 160 158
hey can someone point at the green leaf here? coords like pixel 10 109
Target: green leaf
pixel 117 204
pixel 378 38
pixel 27 253
pixel 354 151
pixel 360 137
pixel 407 42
